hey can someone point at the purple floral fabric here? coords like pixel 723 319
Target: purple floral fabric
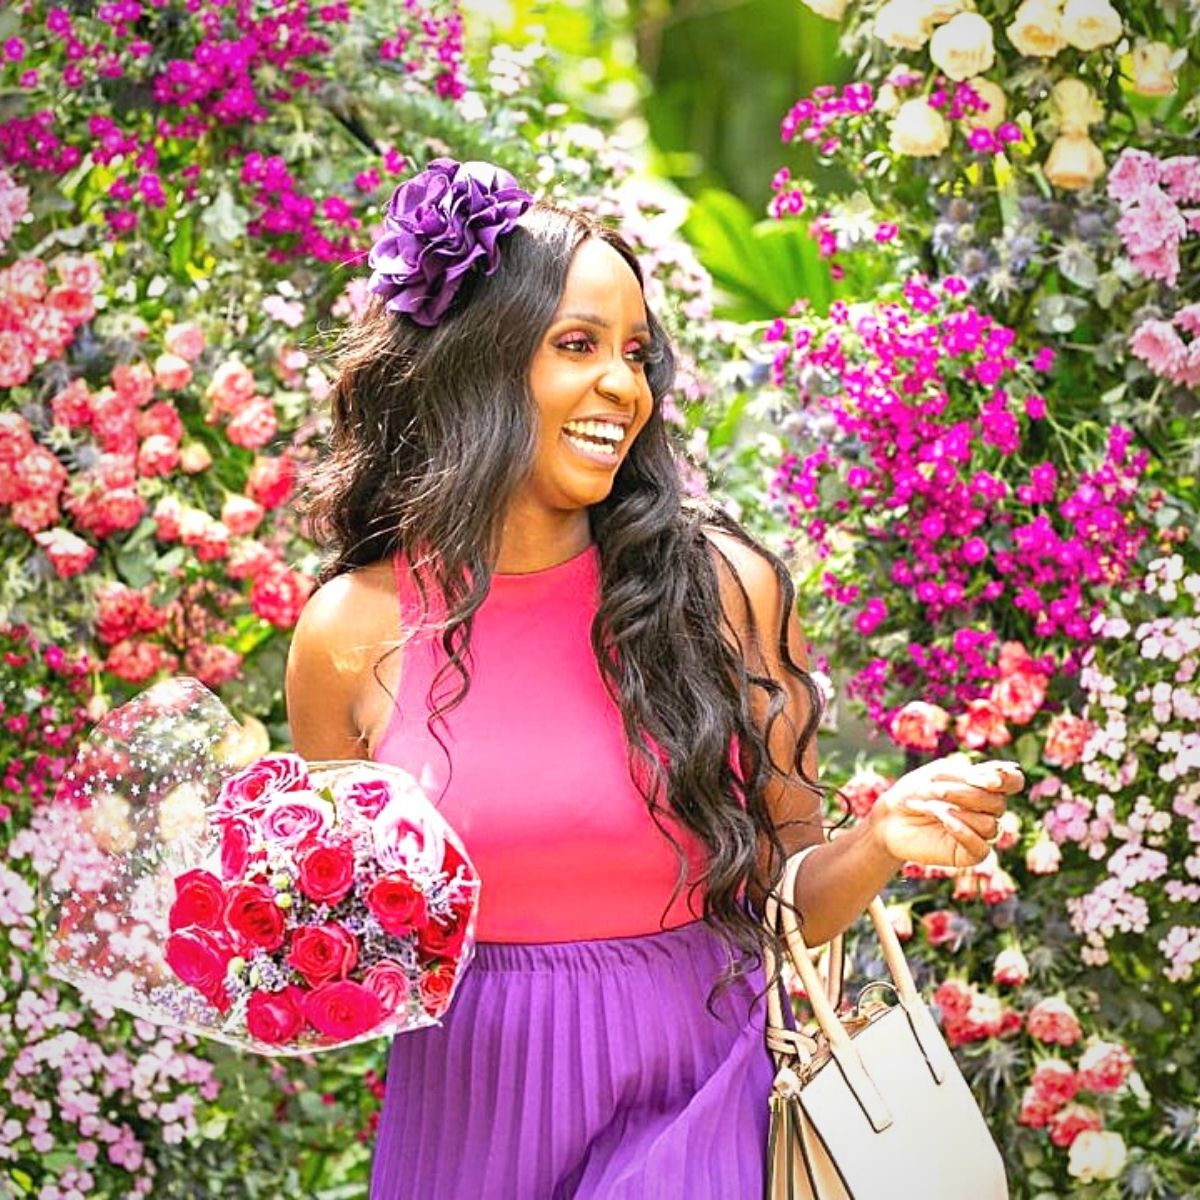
pixel 439 225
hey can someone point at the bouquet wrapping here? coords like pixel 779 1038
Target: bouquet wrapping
pixel 270 903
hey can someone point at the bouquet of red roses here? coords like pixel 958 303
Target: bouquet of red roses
pixel 279 905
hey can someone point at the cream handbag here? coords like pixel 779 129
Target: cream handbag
pixel 872 1105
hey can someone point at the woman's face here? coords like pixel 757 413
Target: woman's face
pixel 588 380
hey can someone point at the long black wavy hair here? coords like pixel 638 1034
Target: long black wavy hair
pixel 433 431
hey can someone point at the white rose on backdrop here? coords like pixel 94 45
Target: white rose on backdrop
pixel 1090 24
pixel 992 94
pixel 939 11
pixel 831 10
pixel 1075 106
pixel 918 130
pixel 1036 29
pixel 1074 163
pixel 903 24
pixel 1097 1154
pixel 963 46
pixel 1152 72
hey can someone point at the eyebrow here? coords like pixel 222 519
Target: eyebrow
pixel 593 319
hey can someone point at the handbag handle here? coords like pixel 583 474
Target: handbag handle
pixel 840 1043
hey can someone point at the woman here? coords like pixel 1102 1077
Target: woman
pixel 604 689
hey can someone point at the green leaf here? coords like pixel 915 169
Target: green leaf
pixel 761 267
pixel 224 221
pixel 181 248
pixel 1028 750
pixel 723 433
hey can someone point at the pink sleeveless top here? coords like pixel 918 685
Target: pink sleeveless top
pixel 540 792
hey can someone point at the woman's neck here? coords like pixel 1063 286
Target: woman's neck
pixel 532 545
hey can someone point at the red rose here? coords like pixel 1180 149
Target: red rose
pixel 438 940
pixel 366 797
pixel 343 1009
pixel 275 1017
pixel 323 952
pixel 252 915
pixel 389 981
pixel 200 960
pixel 326 871
pixel 397 903
pixel 435 988
pixel 235 848
pixel 199 900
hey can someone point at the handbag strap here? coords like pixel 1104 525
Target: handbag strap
pixel 782 918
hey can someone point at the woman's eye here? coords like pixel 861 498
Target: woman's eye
pixel 638 352
pixel 577 343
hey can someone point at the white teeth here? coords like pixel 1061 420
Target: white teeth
pixel 590 447
pixel 601 429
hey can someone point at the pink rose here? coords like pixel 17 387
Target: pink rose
pixel 186 340
pixel 1104 1067
pixel 1066 737
pixel 254 425
pixel 235 848
pixel 1054 1022
pixel 294 817
pixel 918 724
pixel 199 900
pixel 172 372
pixel 250 791
pixel 1055 1082
pixel 860 793
pixel 981 725
pixel 1011 968
pixel 387 979
pixel 241 515
pixel 1019 696
pixel 403 839
pixel 1068 1123
pixel 366 798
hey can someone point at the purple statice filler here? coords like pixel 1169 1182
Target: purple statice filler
pixel 440 225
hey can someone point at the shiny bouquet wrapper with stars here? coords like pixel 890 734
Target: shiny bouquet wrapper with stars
pixel 259 900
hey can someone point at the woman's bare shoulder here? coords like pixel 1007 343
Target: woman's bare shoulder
pixel 347 625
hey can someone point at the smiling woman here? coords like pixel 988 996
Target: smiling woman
pixel 602 688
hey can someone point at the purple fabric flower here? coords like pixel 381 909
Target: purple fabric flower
pixel 439 225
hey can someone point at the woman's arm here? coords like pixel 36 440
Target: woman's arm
pixel 324 672
pixel 942 813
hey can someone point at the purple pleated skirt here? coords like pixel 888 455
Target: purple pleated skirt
pixel 582 1071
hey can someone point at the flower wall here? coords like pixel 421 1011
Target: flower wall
pixel 987 453
pixel 187 192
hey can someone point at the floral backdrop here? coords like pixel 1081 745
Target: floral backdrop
pixel 972 431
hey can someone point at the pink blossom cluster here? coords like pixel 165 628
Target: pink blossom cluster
pixel 38 319
pixel 14 204
pixel 1049 1102
pixel 1151 193
pixel 429 45
pixel 1160 344
pixel 931 408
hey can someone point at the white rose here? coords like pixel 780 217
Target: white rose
pixel 992 94
pixel 1090 24
pixel 1096 1154
pixel 194 458
pixel 903 24
pixel 1075 106
pixel 831 10
pixel 939 11
pixel 1152 74
pixel 1075 162
pixel 963 46
pixel 1036 29
pixel 918 130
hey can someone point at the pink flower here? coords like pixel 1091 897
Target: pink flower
pixel 294 817
pixel 1066 737
pixel 172 372
pixel 365 797
pixel 250 791
pixel 403 840
pixel 981 725
pixel 1020 696
pixel 860 793
pixel 1133 174
pixel 230 390
pixel 69 555
pixel 1055 1082
pixel 1054 1022
pixel 1104 1067
pixel 278 594
pixel 388 980
pixel 241 515
pixel 1010 968
pixel 918 725
pixel 1043 857
pixel 1158 344
pixel 254 425
pixel 1068 1123
pixel 185 340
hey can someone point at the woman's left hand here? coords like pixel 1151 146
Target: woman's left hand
pixel 945 813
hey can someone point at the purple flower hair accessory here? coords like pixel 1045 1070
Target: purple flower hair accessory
pixel 439 225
